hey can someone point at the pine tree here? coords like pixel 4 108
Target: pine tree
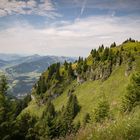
pixel 97 57
pixel 38 89
pixel 70 71
pixel 5 105
pixel 86 119
pixel 105 54
pixel 135 49
pixel 25 123
pixel 132 97
pixel 41 85
pixel 85 66
pixel 102 111
pixel 70 113
pixel 111 55
pixel 93 53
pixel 66 65
pixel 47 124
pixel 3 84
pixel 49 109
pixel 72 107
pixel 113 45
pixel 80 60
pixel 57 76
pixel 79 68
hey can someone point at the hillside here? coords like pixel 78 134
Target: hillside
pixel 94 98
pixel 101 78
pixel 114 88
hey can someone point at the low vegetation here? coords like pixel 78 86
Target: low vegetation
pixel 94 98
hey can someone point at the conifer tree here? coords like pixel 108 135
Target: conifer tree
pixel 70 71
pixel 70 113
pixel 23 125
pixel 113 45
pixel 47 124
pixel 66 65
pixel 105 54
pixel 102 111
pixel 49 109
pixel 72 107
pixel 3 84
pixel 85 66
pixel 132 97
pixel 111 55
pixel 93 53
pixel 101 48
pixel 97 57
pixel 57 76
pixel 86 119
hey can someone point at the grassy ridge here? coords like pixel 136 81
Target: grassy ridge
pixel 90 92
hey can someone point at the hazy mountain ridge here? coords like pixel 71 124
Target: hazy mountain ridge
pixel 9 57
pixel 3 63
pixel 23 71
pixel 36 64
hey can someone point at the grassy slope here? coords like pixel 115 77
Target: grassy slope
pixel 34 109
pixel 90 92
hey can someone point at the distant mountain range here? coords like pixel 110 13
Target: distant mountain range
pixel 9 57
pixel 3 63
pixel 23 71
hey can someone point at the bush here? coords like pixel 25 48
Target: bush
pixel 132 97
pixel 102 111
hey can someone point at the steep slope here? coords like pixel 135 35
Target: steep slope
pixel 90 91
pixel 106 76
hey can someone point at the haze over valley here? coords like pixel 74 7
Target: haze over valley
pixel 23 71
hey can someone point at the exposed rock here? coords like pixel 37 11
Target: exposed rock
pixel 69 93
pixel 127 73
pixel 106 73
pixel 103 71
pixel 80 79
pixel 55 95
pixel 118 61
pixel 75 73
pixel 129 67
pixel 128 70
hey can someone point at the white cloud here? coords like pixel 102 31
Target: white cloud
pixel 45 8
pixel 71 39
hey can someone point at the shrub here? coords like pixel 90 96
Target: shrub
pixel 102 111
pixel 132 97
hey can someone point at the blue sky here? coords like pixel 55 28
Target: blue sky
pixel 66 27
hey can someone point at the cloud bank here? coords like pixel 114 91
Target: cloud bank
pixel 49 7
pixel 69 39
pixel 28 7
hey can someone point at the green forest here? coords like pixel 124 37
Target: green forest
pixel 94 98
